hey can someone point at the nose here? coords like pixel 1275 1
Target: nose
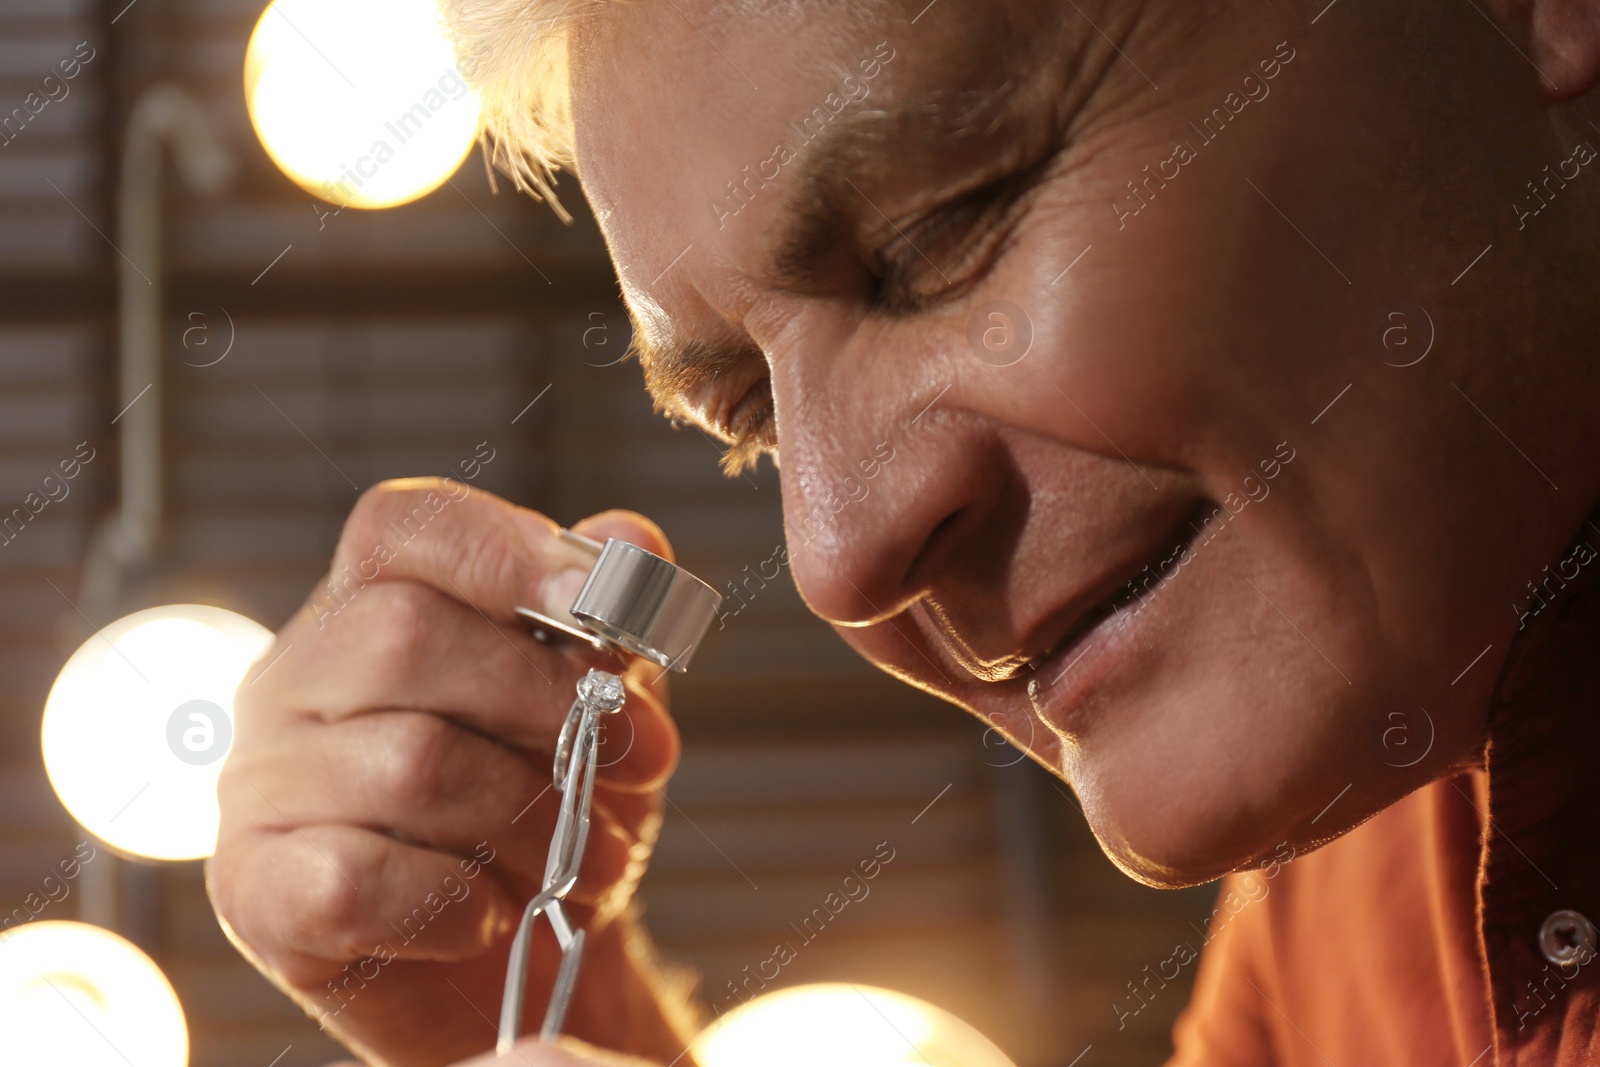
pixel 875 507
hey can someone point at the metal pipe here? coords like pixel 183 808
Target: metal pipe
pixel 165 116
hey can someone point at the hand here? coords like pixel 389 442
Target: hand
pixel 530 1052
pixel 386 807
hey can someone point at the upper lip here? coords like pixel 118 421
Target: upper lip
pixel 1084 607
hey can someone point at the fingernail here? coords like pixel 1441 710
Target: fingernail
pixel 560 590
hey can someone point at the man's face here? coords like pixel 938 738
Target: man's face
pixel 1098 346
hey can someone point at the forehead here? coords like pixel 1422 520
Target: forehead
pixel 687 109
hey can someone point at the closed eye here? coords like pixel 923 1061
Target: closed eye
pixel 938 259
pixel 941 257
pixel 750 429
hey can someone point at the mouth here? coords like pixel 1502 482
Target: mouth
pixel 1068 636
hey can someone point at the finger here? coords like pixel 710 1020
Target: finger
pixel 426 781
pixel 406 645
pixel 307 901
pixel 398 643
pixel 484 551
pixel 403 645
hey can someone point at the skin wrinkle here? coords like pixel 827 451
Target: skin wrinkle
pixel 676 371
pixel 1193 341
pixel 843 160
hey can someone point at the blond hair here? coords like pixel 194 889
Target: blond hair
pixel 515 54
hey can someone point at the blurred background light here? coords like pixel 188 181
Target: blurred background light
pixel 843 1025
pixel 75 994
pixel 359 101
pixel 139 722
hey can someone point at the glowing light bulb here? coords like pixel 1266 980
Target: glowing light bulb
pixel 359 101
pixel 74 993
pixel 139 722
pixel 843 1025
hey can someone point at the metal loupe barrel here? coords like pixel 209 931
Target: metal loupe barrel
pixel 645 604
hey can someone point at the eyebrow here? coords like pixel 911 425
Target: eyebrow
pixel 829 171
pixel 844 157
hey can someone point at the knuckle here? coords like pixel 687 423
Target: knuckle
pixel 477 546
pixel 486 562
pixel 253 722
pixel 415 762
pixel 387 502
pixel 369 514
pixel 401 629
pixel 248 699
pixel 281 932
pixel 605 863
pixel 229 799
pixel 326 910
pixel 241 805
pixel 223 884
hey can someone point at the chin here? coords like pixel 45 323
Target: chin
pixel 1227 775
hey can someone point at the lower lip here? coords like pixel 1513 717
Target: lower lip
pixel 1060 687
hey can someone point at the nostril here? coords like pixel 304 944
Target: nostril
pixel 946 531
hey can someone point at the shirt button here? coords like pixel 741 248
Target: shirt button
pixel 1567 937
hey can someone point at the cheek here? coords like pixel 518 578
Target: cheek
pixel 1208 318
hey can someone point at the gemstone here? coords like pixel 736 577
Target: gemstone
pixel 601 690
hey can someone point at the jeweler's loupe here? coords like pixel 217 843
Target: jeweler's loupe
pixel 634 601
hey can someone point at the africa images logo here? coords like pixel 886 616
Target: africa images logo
pixel 199 732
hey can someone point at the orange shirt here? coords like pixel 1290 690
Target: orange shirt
pixel 1453 928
